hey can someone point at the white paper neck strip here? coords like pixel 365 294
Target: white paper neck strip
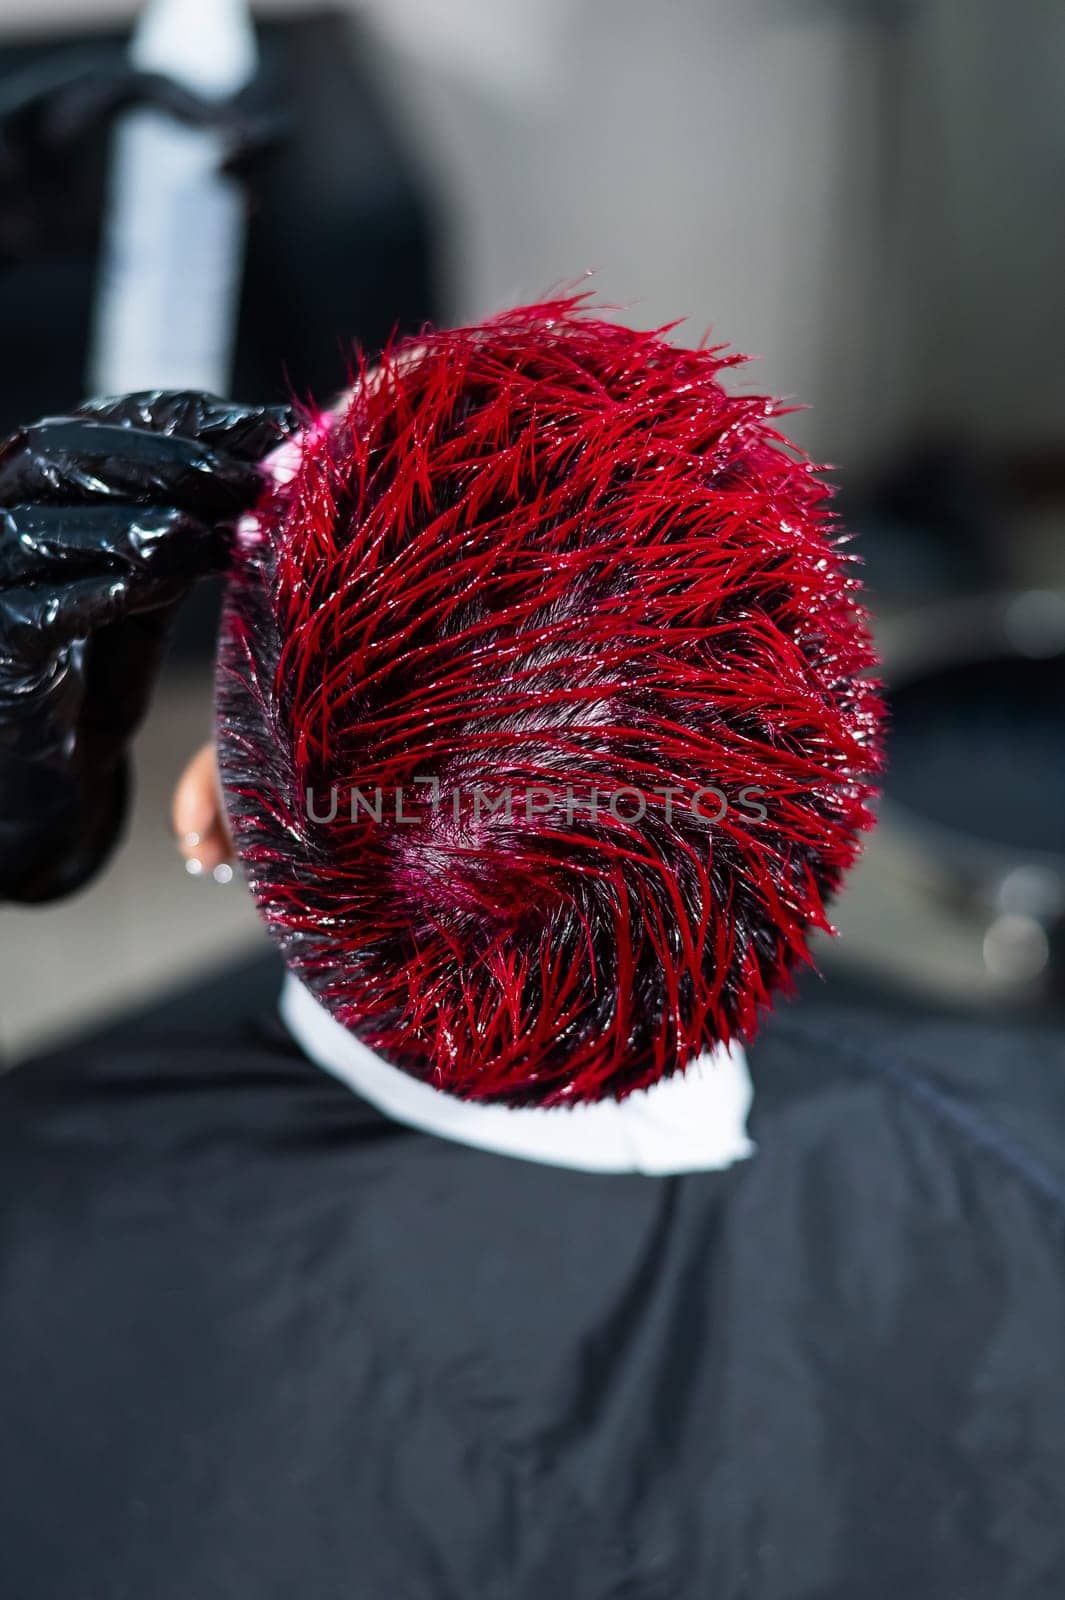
pixel 695 1121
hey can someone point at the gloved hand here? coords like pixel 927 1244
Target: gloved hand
pixel 108 516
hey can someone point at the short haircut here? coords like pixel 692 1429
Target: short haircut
pixel 543 716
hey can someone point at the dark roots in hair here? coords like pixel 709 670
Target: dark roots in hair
pixel 534 564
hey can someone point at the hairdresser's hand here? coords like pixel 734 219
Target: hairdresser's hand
pixel 108 516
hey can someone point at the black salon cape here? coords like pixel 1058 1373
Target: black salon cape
pixel 259 1342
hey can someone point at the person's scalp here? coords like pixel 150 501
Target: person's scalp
pixel 537 561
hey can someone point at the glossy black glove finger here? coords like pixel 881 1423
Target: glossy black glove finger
pixel 64 733
pixel 42 544
pixel 110 517
pixel 247 432
pixel 36 622
pixel 75 828
pixel 78 460
pixel 121 667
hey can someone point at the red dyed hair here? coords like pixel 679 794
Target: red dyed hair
pixel 547 556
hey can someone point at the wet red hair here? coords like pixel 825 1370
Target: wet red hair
pixel 546 555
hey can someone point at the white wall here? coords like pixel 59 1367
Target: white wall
pixel 716 161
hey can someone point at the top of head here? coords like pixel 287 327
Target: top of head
pixel 518 638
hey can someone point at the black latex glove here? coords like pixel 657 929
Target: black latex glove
pixel 108 516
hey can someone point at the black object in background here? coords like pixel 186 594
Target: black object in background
pixel 931 526
pixel 338 244
pixel 340 240
pixel 338 247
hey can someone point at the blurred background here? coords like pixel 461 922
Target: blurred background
pixel 866 195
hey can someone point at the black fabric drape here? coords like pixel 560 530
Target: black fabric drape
pixel 256 1341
